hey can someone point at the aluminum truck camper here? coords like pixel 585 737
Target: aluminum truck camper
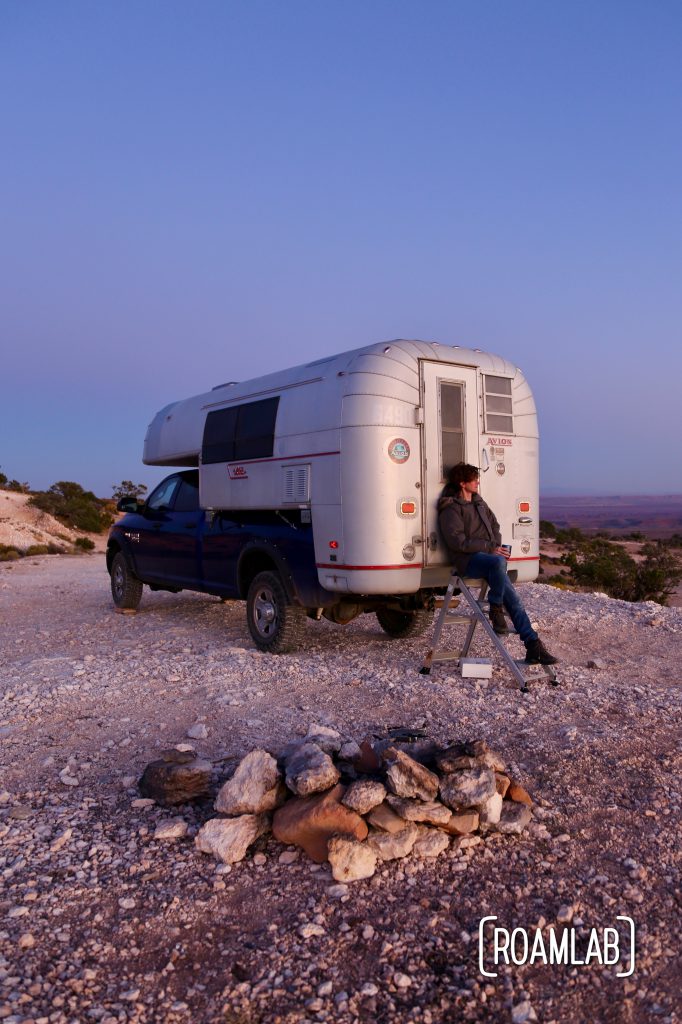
pixel 317 486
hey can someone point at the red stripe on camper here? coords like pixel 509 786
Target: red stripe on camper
pixel 281 458
pixel 364 568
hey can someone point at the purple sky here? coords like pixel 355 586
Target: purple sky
pixel 193 193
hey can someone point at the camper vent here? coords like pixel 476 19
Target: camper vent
pixel 297 483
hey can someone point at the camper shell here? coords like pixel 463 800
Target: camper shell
pixel 348 455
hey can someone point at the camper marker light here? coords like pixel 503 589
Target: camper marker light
pixel 333 544
pixel 407 508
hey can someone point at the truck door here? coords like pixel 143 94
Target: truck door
pixel 450 405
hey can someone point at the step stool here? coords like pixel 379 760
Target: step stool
pixel 520 669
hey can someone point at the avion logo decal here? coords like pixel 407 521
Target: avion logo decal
pixel 238 472
pixel 498 441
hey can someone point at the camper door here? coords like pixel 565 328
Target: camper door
pixel 450 435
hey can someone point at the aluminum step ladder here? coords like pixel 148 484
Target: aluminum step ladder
pixel 477 615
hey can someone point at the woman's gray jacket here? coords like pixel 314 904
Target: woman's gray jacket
pixel 467 527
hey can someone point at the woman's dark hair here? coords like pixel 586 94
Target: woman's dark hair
pixel 462 473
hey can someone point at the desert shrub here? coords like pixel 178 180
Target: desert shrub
pixel 547 529
pixel 602 565
pixel 9 554
pixel 3 479
pixel 15 485
pixel 85 544
pixel 37 549
pixel 72 505
pixel 54 549
pixel 127 489
pixel 570 536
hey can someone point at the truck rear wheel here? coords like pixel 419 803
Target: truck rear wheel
pixel 275 624
pixel 126 589
pixel 401 625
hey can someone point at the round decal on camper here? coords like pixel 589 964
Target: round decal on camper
pixel 399 450
pixel 500 468
pixel 525 546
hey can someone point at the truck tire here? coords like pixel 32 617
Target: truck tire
pixel 275 624
pixel 126 589
pixel 402 625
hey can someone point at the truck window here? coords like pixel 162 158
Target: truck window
pixel 188 497
pixel 498 405
pixel 240 432
pixel 162 497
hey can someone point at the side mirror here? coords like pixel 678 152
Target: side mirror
pixel 129 504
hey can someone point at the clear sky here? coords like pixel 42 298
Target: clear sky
pixel 199 192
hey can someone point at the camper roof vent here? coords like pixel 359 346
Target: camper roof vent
pixel 228 384
pixel 296 484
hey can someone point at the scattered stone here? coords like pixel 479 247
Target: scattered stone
pixel 61 840
pixel 565 914
pixel 467 788
pixel 369 989
pixel 351 860
pixel 337 891
pixel 325 738
pixel 288 857
pixel 228 839
pixel 67 778
pixel 198 731
pixel 401 980
pixel 475 754
pixel 350 751
pixel 393 845
pixel 310 822
pixel 368 761
pixel 406 777
pixel 309 770
pixel 26 941
pixel 596 663
pixel 523 1012
pixel 385 818
pixel 490 811
pixel 430 842
pixel 430 811
pixel 308 931
pixel 502 783
pixel 519 795
pixel 255 787
pixel 174 828
pixel 176 778
pixel 462 824
pixel 514 818
pixel 365 794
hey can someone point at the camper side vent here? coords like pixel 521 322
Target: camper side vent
pixel 297 484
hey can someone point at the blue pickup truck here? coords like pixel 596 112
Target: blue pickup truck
pixel 263 557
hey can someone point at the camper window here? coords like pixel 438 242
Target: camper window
pixel 452 426
pixel 498 405
pixel 240 432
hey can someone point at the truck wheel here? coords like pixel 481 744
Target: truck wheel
pixel 275 624
pixel 126 589
pixel 404 624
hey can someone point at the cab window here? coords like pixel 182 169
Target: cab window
pixel 162 498
pixel 187 499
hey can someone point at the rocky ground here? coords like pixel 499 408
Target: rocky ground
pixel 102 922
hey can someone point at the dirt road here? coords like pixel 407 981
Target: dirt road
pixel 101 922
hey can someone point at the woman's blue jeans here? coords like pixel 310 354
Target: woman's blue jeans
pixel 493 569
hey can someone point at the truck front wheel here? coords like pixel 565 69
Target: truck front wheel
pixel 275 624
pixel 126 589
pixel 402 625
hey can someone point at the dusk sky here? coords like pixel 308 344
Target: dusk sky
pixel 194 193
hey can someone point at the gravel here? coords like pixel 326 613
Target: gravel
pixel 108 913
